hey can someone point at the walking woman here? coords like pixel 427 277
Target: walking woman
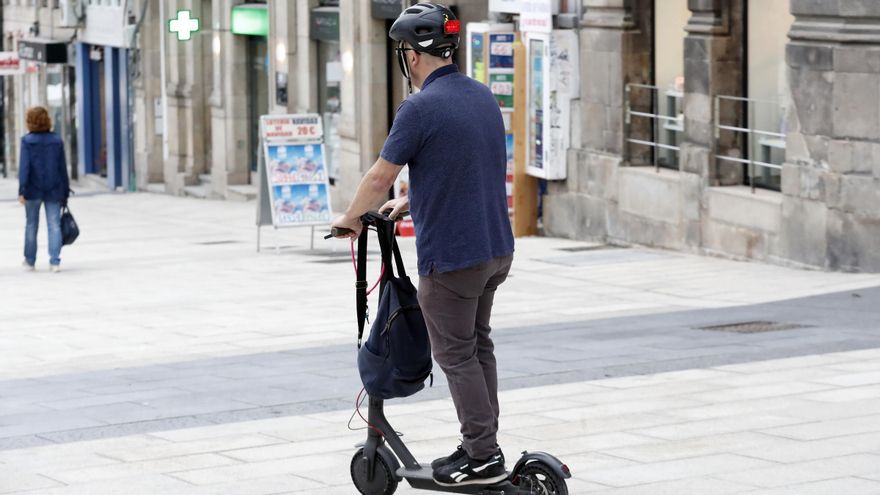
pixel 42 180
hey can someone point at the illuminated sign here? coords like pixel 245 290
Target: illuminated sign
pixel 250 20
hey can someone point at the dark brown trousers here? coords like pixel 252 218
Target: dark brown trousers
pixel 457 307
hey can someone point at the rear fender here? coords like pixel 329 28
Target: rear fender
pixel 544 458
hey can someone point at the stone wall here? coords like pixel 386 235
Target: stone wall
pixel 831 179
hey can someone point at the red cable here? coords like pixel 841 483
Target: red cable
pixel 357 407
pixel 357 403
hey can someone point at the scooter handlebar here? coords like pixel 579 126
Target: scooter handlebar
pixel 369 218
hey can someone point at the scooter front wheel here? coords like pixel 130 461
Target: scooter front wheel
pixel 539 479
pixel 383 482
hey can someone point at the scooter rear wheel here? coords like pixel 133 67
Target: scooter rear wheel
pixel 541 480
pixel 383 482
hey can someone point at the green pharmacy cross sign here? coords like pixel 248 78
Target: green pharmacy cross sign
pixel 184 25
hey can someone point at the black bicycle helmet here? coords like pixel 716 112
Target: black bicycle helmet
pixel 428 28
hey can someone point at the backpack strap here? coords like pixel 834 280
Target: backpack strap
pixel 390 249
pixel 361 283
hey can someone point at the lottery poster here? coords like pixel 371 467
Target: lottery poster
pixel 293 171
pixel 502 87
pixel 294 163
pixel 300 204
pixel 501 50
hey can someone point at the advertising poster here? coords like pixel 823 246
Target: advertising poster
pixel 510 170
pixel 502 87
pixel 10 64
pixel 300 204
pixel 501 50
pixel 294 173
pixel 478 65
pixel 508 6
pixel 536 15
pixel 563 88
pixel 293 163
pixel 536 103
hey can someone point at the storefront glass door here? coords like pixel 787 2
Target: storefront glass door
pixel 258 93
pixel 329 80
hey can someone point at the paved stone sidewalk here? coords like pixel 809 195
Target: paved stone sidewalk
pixel 157 279
pixel 169 345
pixel 806 425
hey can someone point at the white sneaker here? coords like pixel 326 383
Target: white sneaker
pixel 27 266
pixel 54 268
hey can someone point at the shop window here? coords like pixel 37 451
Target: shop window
pixel 767 89
pixel 330 80
pixel 655 112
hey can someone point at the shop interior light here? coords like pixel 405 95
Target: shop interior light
pixel 215 44
pixel 347 62
pixel 281 53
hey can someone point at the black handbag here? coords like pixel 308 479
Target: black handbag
pixel 69 228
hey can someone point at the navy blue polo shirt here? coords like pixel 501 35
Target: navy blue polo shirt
pixel 451 135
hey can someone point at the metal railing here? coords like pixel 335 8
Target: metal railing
pixel 766 141
pixel 667 127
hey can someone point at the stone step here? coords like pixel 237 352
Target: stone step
pixel 241 193
pixel 199 191
pixel 93 181
pixel 156 187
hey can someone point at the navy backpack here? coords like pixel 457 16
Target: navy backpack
pixel 395 360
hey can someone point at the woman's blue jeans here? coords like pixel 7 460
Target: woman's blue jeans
pixel 53 221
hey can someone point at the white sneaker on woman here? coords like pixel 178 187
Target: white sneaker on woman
pixel 54 268
pixel 27 266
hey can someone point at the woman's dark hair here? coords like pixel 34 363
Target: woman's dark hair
pixel 38 120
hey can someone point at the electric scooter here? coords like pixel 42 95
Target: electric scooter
pixel 376 465
pixel 375 469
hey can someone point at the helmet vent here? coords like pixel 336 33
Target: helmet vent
pixel 413 10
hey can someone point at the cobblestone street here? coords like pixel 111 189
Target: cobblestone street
pixel 169 356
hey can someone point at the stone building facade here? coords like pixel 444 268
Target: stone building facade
pixel 827 211
pixel 211 97
pixel 817 203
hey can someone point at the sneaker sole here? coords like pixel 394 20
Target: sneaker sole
pixel 476 481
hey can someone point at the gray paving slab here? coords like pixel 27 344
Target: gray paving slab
pixel 301 381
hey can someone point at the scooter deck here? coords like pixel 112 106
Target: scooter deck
pixel 423 479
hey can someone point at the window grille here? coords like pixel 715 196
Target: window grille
pixel 653 136
pixel 764 150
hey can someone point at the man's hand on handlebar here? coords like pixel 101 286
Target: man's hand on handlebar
pixel 395 206
pixel 353 226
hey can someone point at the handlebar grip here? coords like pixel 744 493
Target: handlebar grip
pixel 336 232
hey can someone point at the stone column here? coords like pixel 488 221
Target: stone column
pixel 148 92
pixel 228 103
pixel 831 178
pixel 303 86
pixel 714 57
pixel 185 86
pixel 283 17
pixel 363 123
pixel 615 49
pixel 616 39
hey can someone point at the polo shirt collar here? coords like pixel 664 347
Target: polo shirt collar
pixel 438 73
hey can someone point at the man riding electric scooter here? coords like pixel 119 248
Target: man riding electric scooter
pixel 451 134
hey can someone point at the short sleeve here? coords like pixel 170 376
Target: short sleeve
pixel 405 138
